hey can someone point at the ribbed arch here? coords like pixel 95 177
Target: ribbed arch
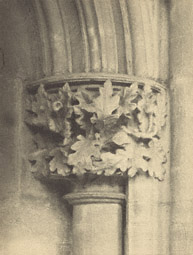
pixel 108 36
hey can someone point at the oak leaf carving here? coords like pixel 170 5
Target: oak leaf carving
pixel 106 103
pixel 133 153
pixel 157 159
pixel 104 132
pixel 39 162
pixel 61 113
pixel 85 149
pixel 59 162
pixel 128 97
pixel 84 109
pixel 40 108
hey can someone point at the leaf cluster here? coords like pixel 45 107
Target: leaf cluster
pixel 102 132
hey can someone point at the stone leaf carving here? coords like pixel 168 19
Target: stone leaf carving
pixel 52 112
pixel 104 132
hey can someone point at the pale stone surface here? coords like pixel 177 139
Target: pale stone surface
pixel 181 49
pixel 148 216
pixel 32 219
pixel 97 229
pixel 97 223
pixel 149 204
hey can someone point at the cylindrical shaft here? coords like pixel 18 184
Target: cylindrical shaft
pixel 97 220
pixel 97 229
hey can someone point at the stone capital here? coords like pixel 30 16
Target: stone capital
pixel 111 128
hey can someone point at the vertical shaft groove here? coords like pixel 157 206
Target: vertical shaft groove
pixel 43 33
pixel 66 36
pixel 127 36
pixel 56 36
pixel 92 31
pixel 84 35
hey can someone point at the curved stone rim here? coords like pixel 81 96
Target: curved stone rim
pixel 94 197
pixel 81 78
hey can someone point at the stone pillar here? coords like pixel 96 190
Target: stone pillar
pixel 181 93
pixel 97 219
pixel 107 121
pixel 97 134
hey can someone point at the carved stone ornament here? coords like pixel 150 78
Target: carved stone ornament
pixel 101 130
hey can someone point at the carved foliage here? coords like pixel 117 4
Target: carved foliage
pixel 104 131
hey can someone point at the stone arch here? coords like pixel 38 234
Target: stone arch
pixel 51 41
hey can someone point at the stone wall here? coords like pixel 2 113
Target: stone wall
pixel 181 94
pixel 33 219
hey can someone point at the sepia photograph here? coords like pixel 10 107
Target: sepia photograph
pixel 96 115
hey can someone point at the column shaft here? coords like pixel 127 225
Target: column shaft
pixel 97 229
pixel 97 218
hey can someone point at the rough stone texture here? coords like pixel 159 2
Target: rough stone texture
pixel 97 222
pixel 102 234
pixel 148 210
pixel 33 219
pixel 181 92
